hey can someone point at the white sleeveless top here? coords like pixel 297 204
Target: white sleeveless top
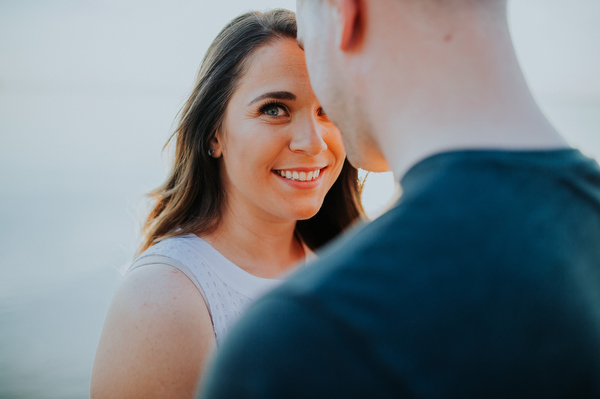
pixel 227 289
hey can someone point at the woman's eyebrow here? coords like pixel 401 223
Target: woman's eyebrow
pixel 279 95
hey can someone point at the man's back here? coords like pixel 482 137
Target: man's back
pixel 483 281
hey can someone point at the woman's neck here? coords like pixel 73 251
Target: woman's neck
pixel 262 247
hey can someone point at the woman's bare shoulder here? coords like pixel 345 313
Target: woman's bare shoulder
pixel 156 337
pixel 155 288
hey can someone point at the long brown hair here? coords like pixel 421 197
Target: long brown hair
pixel 192 198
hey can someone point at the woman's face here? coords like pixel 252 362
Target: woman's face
pixel 280 153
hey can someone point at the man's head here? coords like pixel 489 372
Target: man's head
pixel 360 52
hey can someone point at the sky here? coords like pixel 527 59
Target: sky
pixel 156 46
pixel 558 44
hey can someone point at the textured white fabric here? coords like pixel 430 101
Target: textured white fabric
pixel 228 289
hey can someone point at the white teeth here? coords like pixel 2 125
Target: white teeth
pixel 299 176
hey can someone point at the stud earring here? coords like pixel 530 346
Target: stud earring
pixel 210 153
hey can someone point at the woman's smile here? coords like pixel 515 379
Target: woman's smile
pixel 300 177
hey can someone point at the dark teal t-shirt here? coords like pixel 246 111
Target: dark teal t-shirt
pixel 482 281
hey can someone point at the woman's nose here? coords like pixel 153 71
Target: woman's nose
pixel 308 138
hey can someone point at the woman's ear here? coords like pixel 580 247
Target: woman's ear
pixel 215 148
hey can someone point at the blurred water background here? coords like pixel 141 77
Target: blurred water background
pixel 89 90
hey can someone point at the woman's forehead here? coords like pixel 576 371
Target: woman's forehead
pixel 279 66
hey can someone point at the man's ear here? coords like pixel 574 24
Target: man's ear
pixel 215 145
pixel 351 23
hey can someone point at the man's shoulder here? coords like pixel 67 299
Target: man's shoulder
pixel 440 221
pixel 371 261
pixel 366 244
pixel 475 220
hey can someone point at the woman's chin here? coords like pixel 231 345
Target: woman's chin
pixel 304 213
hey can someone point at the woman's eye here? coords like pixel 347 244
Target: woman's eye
pixel 321 112
pixel 274 111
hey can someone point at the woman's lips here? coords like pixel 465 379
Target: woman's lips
pixel 300 177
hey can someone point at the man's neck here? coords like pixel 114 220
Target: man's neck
pixel 454 85
pixel 530 132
